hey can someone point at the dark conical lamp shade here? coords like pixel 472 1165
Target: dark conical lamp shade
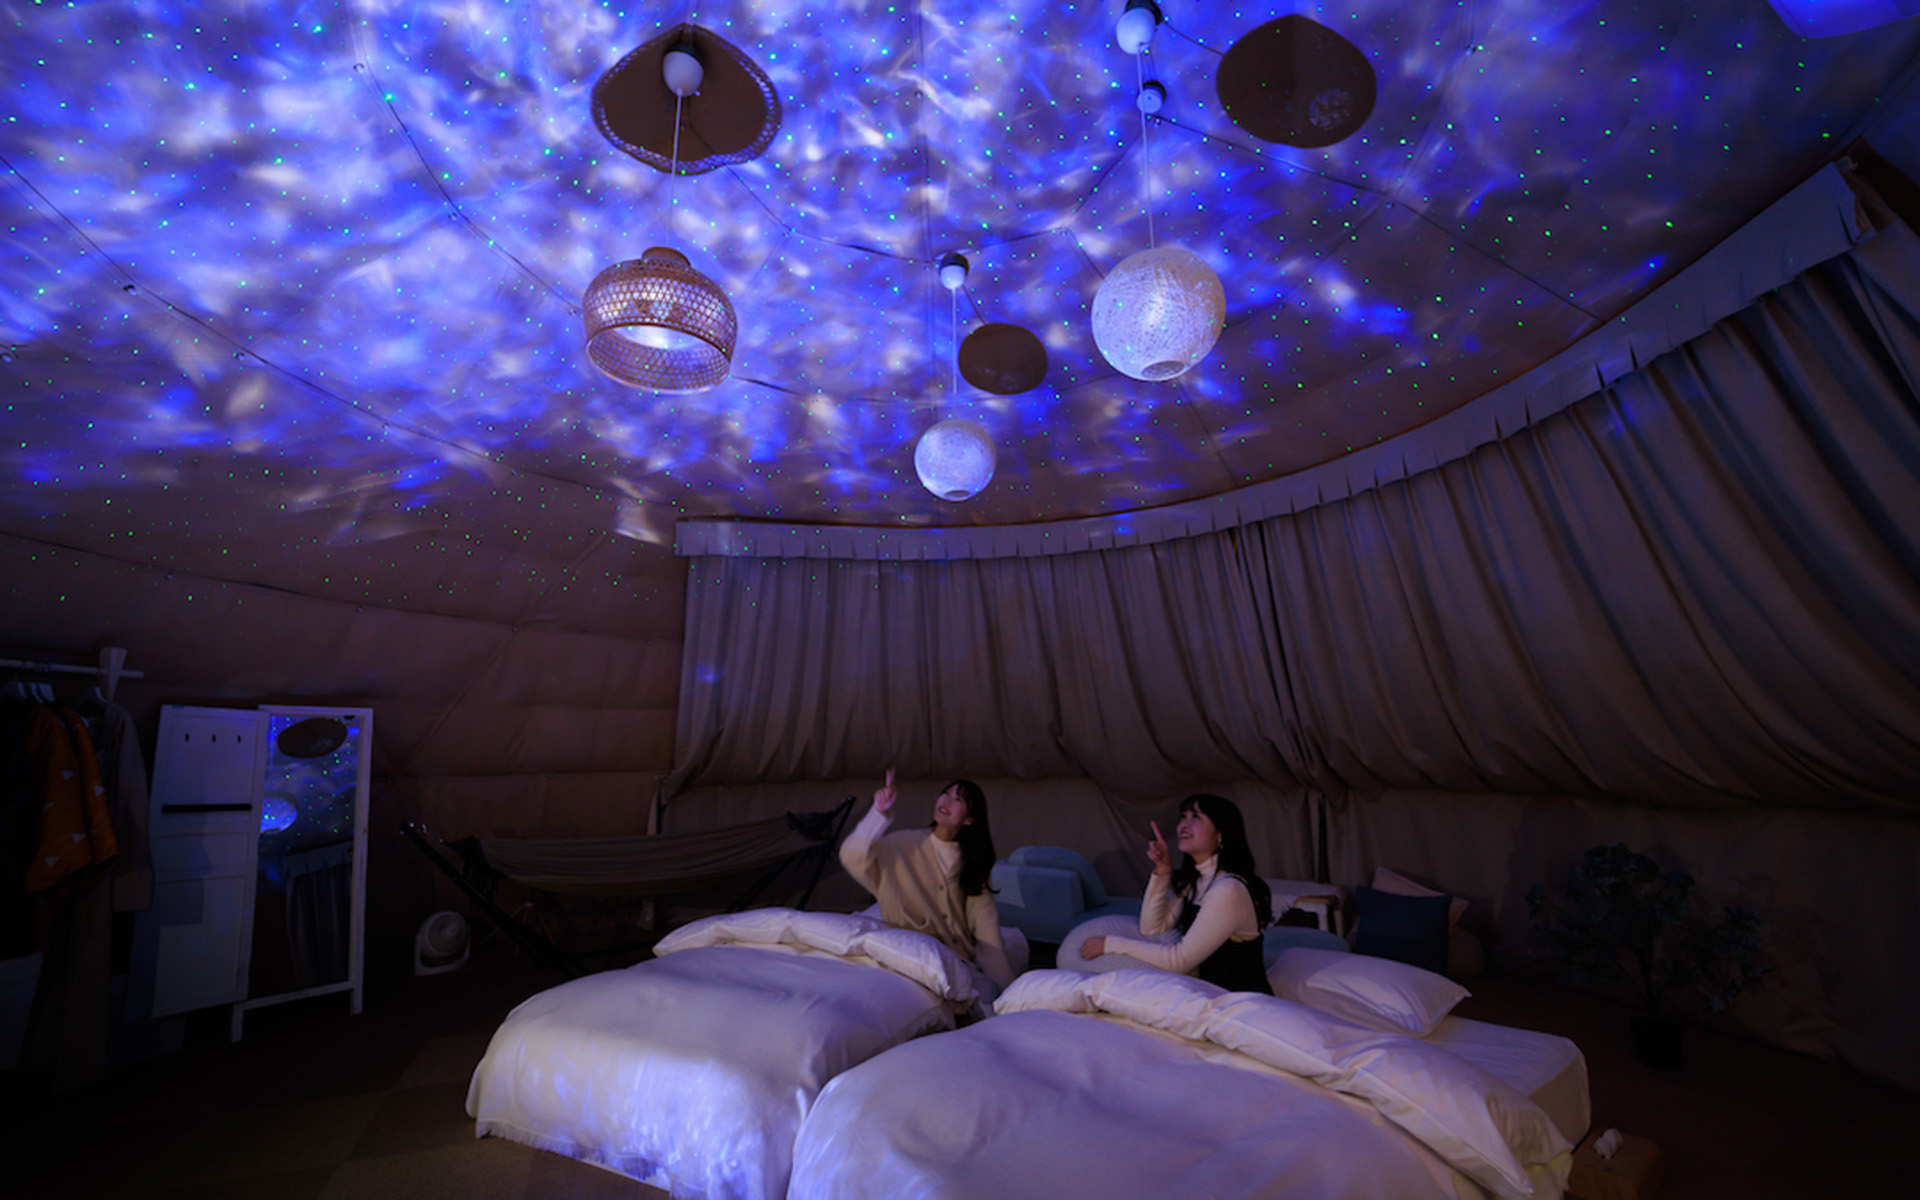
pixel 656 323
pixel 1295 82
pixel 734 121
pixel 1003 359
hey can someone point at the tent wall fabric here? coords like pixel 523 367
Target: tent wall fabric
pixel 1696 590
pixel 548 715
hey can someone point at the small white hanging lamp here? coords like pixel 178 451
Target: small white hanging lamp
pixel 955 459
pixel 1135 29
pixel 1161 309
pixel 654 322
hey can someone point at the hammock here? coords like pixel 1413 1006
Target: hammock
pixel 655 865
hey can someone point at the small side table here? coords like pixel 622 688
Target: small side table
pixel 1320 899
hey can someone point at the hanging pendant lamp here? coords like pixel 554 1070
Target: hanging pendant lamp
pixel 654 322
pixel 1161 310
pixel 955 459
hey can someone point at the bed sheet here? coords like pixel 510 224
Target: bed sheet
pixel 1548 1069
pixel 692 1072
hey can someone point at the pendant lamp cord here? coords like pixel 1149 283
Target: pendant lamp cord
pixel 1146 155
pixel 953 402
pixel 673 176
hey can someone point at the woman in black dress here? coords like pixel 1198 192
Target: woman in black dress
pixel 1216 899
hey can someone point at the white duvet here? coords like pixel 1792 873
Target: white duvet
pixel 693 1071
pixel 1150 1085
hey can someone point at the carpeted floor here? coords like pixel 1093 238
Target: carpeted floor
pixel 314 1103
pixel 1741 1120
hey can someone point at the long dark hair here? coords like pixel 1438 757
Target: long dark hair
pixel 976 840
pixel 1236 856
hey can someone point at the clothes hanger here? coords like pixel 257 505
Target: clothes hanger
pixel 15 688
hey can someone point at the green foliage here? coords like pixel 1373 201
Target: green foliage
pixel 1625 921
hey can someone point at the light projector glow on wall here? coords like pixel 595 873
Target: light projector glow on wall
pixel 1833 18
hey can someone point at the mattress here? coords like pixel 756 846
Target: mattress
pixel 692 1071
pixel 1547 1068
pixel 1142 1085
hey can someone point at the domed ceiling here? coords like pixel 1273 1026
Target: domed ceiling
pixel 319 266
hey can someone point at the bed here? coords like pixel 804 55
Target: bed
pixel 692 1071
pixel 1146 1084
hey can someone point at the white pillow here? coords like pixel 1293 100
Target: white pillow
pixel 923 959
pixel 1045 991
pixel 1179 1004
pixel 757 926
pixel 1377 993
pixel 927 961
pixel 831 932
pixel 835 933
pixel 1115 925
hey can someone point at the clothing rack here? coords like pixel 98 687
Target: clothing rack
pixel 111 668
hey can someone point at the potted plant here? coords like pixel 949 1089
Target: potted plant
pixel 1625 923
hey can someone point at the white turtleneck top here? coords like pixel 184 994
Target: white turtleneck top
pixel 1226 911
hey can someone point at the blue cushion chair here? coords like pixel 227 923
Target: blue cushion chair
pixel 1044 891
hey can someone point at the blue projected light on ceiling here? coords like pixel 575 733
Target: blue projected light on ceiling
pixel 327 259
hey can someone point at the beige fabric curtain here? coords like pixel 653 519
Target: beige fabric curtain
pixel 1700 587
pixel 1140 669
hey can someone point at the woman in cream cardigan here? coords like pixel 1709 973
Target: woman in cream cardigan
pixel 935 880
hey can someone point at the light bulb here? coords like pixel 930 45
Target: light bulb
pixel 683 70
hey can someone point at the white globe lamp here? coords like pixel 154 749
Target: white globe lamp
pixel 954 459
pixel 1158 313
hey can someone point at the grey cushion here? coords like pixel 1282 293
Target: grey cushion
pixel 1041 902
pixel 1062 859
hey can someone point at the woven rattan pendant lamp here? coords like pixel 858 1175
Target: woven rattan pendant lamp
pixel 654 322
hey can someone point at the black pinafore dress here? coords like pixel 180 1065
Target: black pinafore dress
pixel 1235 966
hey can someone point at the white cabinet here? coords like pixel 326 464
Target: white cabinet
pixel 258 827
